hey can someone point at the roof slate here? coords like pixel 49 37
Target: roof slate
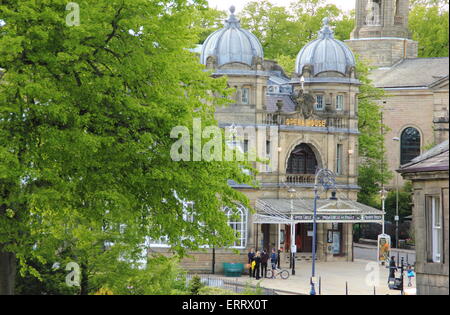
pixel 417 72
pixel 435 159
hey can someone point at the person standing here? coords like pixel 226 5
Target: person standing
pixel 392 268
pixel 264 260
pixel 257 260
pixel 274 259
pixel 411 275
pixel 251 256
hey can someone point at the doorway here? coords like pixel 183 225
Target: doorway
pixel 304 238
pixel 265 230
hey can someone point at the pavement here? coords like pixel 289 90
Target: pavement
pixel 362 277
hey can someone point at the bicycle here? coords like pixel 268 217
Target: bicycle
pixel 274 273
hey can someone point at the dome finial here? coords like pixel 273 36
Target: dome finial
pixel 232 20
pixel 326 31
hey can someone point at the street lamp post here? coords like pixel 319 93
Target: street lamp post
pixel 327 179
pixel 292 192
pixel 383 194
pixel 396 197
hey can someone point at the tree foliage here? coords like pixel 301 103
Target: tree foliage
pixel 85 119
pixel 373 170
pixel 284 31
pixel 428 22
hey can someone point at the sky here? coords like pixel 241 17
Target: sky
pixel 345 5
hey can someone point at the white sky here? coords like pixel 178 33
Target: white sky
pixel 345 5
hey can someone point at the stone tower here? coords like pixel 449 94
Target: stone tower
pixel 381 36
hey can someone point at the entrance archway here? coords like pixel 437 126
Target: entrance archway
pixel 302 161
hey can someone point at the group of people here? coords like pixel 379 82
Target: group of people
pixel 257 262
pixel 393 268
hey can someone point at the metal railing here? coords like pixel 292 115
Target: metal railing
pixel 235 286
pixel 274 119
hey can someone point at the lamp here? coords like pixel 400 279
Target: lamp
pixel 302 81
pixel 292 192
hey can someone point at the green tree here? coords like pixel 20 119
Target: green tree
pixel 372 170
pixel 85 119
pixel 428 22
pixel 404 203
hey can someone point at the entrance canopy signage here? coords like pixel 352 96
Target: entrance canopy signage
pixel 306 122
pixel 338 217
pixel 285 211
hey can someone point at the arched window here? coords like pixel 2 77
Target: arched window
pixel 410 145
pixel 302 160
pixel 237 220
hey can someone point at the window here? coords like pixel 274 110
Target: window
pixel 339 102
pixel 268 156
pixel 319 102
pixel 245 95
pixel 339 159
pixel 410 145
pixel 434 229
pixel 245 146
pixel 237 220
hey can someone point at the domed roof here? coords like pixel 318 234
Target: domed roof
pixel 325 54
pixel 231 44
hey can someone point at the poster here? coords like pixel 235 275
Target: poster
pixel 384 248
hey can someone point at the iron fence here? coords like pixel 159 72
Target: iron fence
pixel 234 285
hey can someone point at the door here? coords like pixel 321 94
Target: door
pixel 304 237
pixel 265 230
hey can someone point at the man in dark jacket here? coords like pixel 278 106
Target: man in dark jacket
pixel 257 260
pixel 251 256
pixel 264 260
pixel 392 268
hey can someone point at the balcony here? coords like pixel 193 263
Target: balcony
pixel 330 120
pixel 300 179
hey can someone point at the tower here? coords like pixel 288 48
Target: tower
pixel 381 36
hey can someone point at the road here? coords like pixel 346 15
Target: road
pixel 369 252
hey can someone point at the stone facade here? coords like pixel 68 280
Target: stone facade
pixel 384 51
pixel 416 88
pixel 429 175
pixel 385 41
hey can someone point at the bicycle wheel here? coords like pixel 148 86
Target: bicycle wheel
pixel 284 274
pixel 270 273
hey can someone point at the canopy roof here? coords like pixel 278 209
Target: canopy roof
pixel 279 211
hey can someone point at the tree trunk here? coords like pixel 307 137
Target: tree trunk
pixel 7 272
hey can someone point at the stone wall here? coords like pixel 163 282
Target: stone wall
pixel 432 278
pixel 383 51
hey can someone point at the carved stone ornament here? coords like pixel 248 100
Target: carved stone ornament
pixel 304 103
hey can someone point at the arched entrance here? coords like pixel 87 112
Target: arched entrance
pixel 302 160
pixel 301 168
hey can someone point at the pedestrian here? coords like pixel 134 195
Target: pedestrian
pixel 257 264
pixel 392 268
pixel 411 274
pixel 274 259
pixel 251 256
pixel 264 260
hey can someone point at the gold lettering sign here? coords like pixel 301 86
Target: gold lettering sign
pixel 306 122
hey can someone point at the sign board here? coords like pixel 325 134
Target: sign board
pixel 339 217
pixel 293 248
pixel 383 248
pixel 306 122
